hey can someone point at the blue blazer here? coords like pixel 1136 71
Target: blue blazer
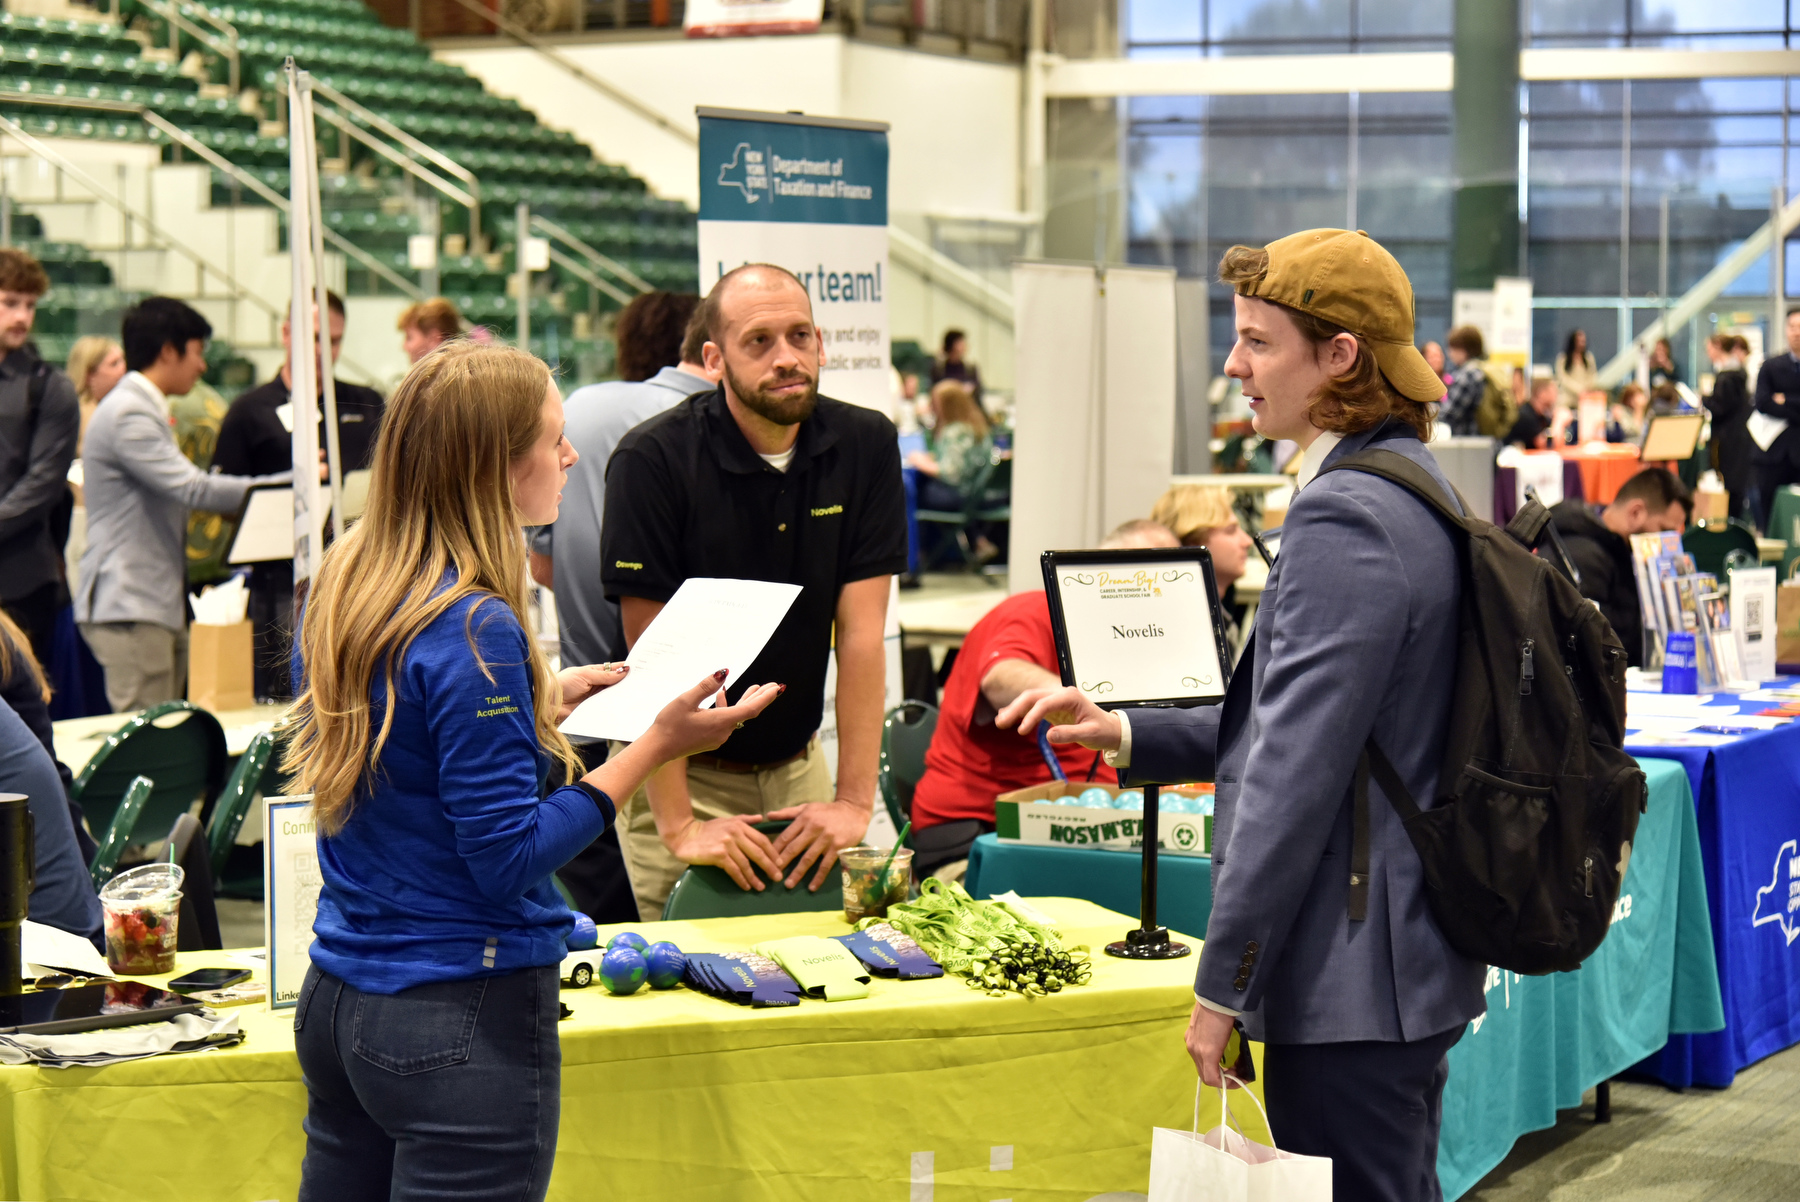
pixel 1356 634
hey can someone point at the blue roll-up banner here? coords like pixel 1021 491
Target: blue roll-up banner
pixel 808 194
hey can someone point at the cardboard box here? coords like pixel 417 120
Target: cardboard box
pixel 1033 816
pixel 221 660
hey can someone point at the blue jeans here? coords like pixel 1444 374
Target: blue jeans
pixel 450 1090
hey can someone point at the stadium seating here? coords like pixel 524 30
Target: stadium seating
pixel 58 63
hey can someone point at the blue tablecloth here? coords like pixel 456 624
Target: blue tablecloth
pixel 1747 795
pixel 1546 1040
pixel 1113 879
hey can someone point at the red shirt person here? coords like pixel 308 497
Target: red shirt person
pixel 970 762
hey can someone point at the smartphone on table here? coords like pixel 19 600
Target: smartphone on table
pixel 203 979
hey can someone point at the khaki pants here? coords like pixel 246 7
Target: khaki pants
pixel 145 663
pixel 715 794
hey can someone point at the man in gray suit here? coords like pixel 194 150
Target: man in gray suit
pixel 131 603
pixel 1356 636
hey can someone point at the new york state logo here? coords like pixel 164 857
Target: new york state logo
pixel 1779 900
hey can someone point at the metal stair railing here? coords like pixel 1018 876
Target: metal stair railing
pixel 940 270
pixel 594 258
pixel 222 40
pixel 471 201
pixel 213 158
pixel 1702 294
pixel 619 96
pixel 238 290
pixel 469 195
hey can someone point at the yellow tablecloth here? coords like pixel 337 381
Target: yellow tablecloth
pixel 681 1096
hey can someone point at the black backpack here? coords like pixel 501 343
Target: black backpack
pixel 1537 801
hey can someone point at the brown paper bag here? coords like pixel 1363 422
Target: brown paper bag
pixel 1787 623
pixel 220 662
pixel 1710 505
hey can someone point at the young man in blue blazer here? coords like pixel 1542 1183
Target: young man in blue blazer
pixel 1356 636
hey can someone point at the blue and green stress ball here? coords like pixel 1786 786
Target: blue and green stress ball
pixel 666 963
pixel 1129 799
pixel 622 970
pixel 585 934
pixel 629 939
pixel 1097 799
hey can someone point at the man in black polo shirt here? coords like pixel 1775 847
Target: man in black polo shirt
pixel 257 439
pixel 762 479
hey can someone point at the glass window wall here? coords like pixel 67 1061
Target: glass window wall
pixel 1669 24
pixel 1209 172
pixel 1162 28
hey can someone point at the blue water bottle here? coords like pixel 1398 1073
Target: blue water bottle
pixel 1680 674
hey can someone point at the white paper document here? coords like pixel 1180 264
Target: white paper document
pixel 1724 719
pixel 46 949
pixel 708 624
pixel 267 529
pixel 1666 705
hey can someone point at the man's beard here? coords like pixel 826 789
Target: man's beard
pixel 782 410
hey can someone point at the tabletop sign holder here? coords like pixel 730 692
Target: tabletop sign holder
pixel 1670 437
pixel 265 526
pixel 1140 629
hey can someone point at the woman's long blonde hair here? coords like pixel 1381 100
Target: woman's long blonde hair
pixel 440 500
pixel 955 403
pixel 84 357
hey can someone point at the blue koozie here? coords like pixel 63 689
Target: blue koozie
pixel 1680 674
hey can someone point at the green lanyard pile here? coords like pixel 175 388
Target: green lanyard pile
pixel 998 949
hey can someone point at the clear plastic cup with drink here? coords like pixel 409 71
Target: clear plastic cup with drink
pixel 142 909
pixel 868 892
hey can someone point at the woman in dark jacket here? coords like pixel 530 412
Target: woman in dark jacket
pixel 1729 404
pixel 24 687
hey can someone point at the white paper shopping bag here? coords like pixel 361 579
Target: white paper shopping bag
pixel 1224 1165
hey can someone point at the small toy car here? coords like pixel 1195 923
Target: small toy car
pixel 580 968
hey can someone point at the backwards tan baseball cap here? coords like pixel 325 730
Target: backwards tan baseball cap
pixel 1348 279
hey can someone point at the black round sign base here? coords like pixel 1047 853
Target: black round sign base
pixel 1152 944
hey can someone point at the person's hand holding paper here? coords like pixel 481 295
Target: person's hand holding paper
pixel 708 622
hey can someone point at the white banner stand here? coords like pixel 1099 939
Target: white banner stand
pixel 1097 378
pixel 309 324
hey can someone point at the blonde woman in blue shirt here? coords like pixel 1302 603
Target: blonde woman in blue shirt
pixel 426 1027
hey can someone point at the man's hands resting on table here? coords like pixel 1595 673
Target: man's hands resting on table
pixel 818 831
pixel 732 843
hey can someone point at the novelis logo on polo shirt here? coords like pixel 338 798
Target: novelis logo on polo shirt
pixel 827 511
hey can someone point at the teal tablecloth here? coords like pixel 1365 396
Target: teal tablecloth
pixel 1108 878
pixel 1546 1040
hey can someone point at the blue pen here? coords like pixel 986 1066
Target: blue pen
pixel 1043 736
